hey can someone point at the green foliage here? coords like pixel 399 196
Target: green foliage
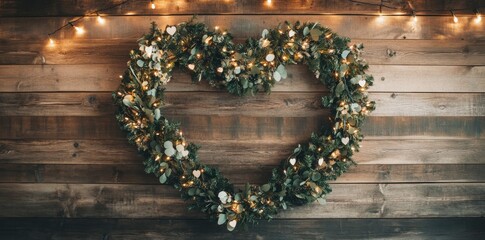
pixel 244 69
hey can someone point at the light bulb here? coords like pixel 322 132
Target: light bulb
pixel 268 2
pixel 79 30
pixel 52 43
pixel 101 20
pixel 478 19
pixel 152 5
pixel 415 18
pixel 455 19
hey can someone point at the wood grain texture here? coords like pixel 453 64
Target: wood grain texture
pixel 241 128
pixel 105 77
pixel 67 171
pixel 278 104
pixel 240 26
pixel 237 174
pixel 153 201
pixel 24 8
pixel 376 150
pixel 376 52
pixel 75 228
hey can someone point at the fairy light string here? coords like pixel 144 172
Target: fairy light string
pixel 412 12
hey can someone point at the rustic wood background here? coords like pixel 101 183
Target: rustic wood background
pixel 67 172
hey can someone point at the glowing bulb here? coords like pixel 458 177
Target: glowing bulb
pixel 152 5
pixel 268 2
pixel 101 20
pixel 79 30
pixel 216 28
pixel 478 19
pixel 455 19
pixel 415 18
pixel 52 43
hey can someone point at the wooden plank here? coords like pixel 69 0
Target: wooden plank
pixel 26 8
pixel 241 128
pixel 353 26
pixel 153 201
pixel 105 77
pixel 106 51
pixel 75 228
pixel 238 174
pixel 278 104
pixel 118 151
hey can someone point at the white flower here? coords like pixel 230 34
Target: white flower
pixel 191 66
pixel 291 33
pixel 220 69
pixel 223 196
pixel 270 57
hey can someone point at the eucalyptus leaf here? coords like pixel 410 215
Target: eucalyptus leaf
pixel 315 34
pixel 163 179
pixel 222 219
pixel 345 53
pixel 306 31
pixel 140 63
pixel 266 187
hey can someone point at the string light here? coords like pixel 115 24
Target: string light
pixel 268 2
pixel 478 18
pixel 52 43
pixel 455 19
pixel 152 4
pixel 100 19
pixel 381 17
pixel 79 30
pixel 415 18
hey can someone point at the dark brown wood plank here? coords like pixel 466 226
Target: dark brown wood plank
pixel 203 128
pixel 105 77
pixel 153 201
pixel 25 8
pixel 118 151
pixel 407 52
pixel 278 104
pixel 239 174
pixel 75 228
pixel 353 26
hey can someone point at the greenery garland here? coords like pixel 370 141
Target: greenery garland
pixel 244 69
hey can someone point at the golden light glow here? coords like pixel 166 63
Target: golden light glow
pixel 152 5
pixel 79 30
pixel 52 43
pixel 455 19
pixel 478 18
pixel 100 20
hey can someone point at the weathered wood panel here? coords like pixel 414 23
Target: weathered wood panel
pixel 407 52
pixel 24 8
pixel 278 104
pixel 238 174
pixel 353 26
pixel 75 228
pixel 105 77
pixel 376 150
pixel 149 201
pixel 241 128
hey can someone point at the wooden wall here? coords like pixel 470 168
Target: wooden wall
pixel 67 172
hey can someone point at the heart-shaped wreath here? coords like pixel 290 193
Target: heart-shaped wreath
pixel 244 69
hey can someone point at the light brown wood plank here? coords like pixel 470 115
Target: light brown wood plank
pixel 407 52
pixel 25 8
pixel 105 77
pixel 149 201
pixel 353 26
pixel 278 104
pixel 239 174
pixel 118 151
pixel 242 128
pixel 76 228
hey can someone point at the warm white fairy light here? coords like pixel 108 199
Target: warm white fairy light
pixel 455 19
pixel 478 17
pixel 415 18
pixel 100 19
pixel 79 30
pixel 268 2
pixel 152 4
